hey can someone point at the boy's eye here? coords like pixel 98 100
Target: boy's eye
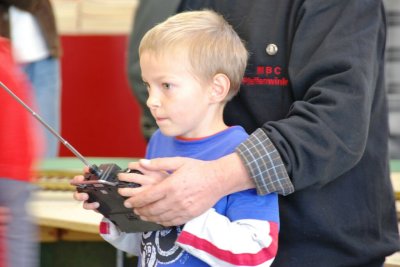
pixel 166 85
pixel 146 84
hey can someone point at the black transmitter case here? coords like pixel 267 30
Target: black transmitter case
pixel 102 185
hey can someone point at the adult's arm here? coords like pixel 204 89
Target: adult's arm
pixel 193 187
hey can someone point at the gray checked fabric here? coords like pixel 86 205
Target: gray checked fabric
pixel 264 164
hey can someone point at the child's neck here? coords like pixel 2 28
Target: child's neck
pixel 211 124
pixel 205 135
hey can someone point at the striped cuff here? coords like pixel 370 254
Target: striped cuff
pixel 104 228
pixel 264 164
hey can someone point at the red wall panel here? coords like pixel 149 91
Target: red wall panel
pixel 100 116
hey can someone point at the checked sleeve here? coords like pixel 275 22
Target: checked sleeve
pixel 264 164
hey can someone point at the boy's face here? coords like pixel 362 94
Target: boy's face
pixel 178 101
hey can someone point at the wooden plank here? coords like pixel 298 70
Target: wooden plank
pixel 48 234
pixel 58 209
pixel 68 235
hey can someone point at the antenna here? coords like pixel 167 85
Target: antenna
pixel 92 168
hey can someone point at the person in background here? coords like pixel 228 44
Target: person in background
pixel 314 103
pixel 192 64
pixel 31 26
pixel 148 14
pixel 19 143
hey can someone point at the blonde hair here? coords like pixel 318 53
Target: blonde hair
pixel 211 44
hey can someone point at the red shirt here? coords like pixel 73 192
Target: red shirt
pixel 18 138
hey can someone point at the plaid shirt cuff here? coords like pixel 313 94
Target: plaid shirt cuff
pixel 264 164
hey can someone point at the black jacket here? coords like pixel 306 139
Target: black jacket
pixel 329 124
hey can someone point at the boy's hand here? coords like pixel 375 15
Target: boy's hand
pixel 83 196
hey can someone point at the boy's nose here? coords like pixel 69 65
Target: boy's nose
pixel 153 102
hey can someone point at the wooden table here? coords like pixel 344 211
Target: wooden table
pixel 62 218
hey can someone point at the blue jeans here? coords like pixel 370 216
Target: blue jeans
pixel 46 81
pixel 21 242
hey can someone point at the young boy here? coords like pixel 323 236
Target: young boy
pixel 192 64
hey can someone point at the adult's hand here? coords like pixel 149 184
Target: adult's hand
pixel 193 187
pixel 146 178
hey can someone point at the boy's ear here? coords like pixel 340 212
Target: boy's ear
pixel 219 87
